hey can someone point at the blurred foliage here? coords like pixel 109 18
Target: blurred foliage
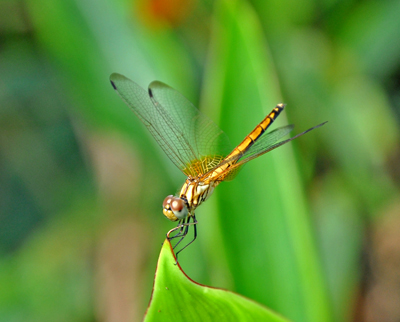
pixel 309 230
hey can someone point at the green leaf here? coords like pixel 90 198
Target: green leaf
pixel 178 298
pixel 266 202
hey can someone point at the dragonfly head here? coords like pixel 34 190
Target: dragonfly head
pixel 175 208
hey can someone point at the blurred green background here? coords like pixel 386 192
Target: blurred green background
pixel 311 230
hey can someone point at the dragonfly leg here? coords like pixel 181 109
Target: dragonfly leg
pixel 183 229
pixel 194 223
pixel 179 228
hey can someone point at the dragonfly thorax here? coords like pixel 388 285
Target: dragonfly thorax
pixel 192 194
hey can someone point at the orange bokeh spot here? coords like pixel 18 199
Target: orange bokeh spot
pixel 157 13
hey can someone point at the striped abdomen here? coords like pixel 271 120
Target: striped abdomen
pixel 255 134
pixel 221 172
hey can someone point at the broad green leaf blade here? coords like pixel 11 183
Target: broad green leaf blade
pixel 178 298
pixel 267 200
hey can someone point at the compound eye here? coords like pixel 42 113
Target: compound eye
pixel 177 204
pixel 178 207
pixel 167 201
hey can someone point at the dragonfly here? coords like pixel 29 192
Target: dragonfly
pixel 196 145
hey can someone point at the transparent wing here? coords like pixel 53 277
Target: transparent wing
pixel 188 137
pixel 266 143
